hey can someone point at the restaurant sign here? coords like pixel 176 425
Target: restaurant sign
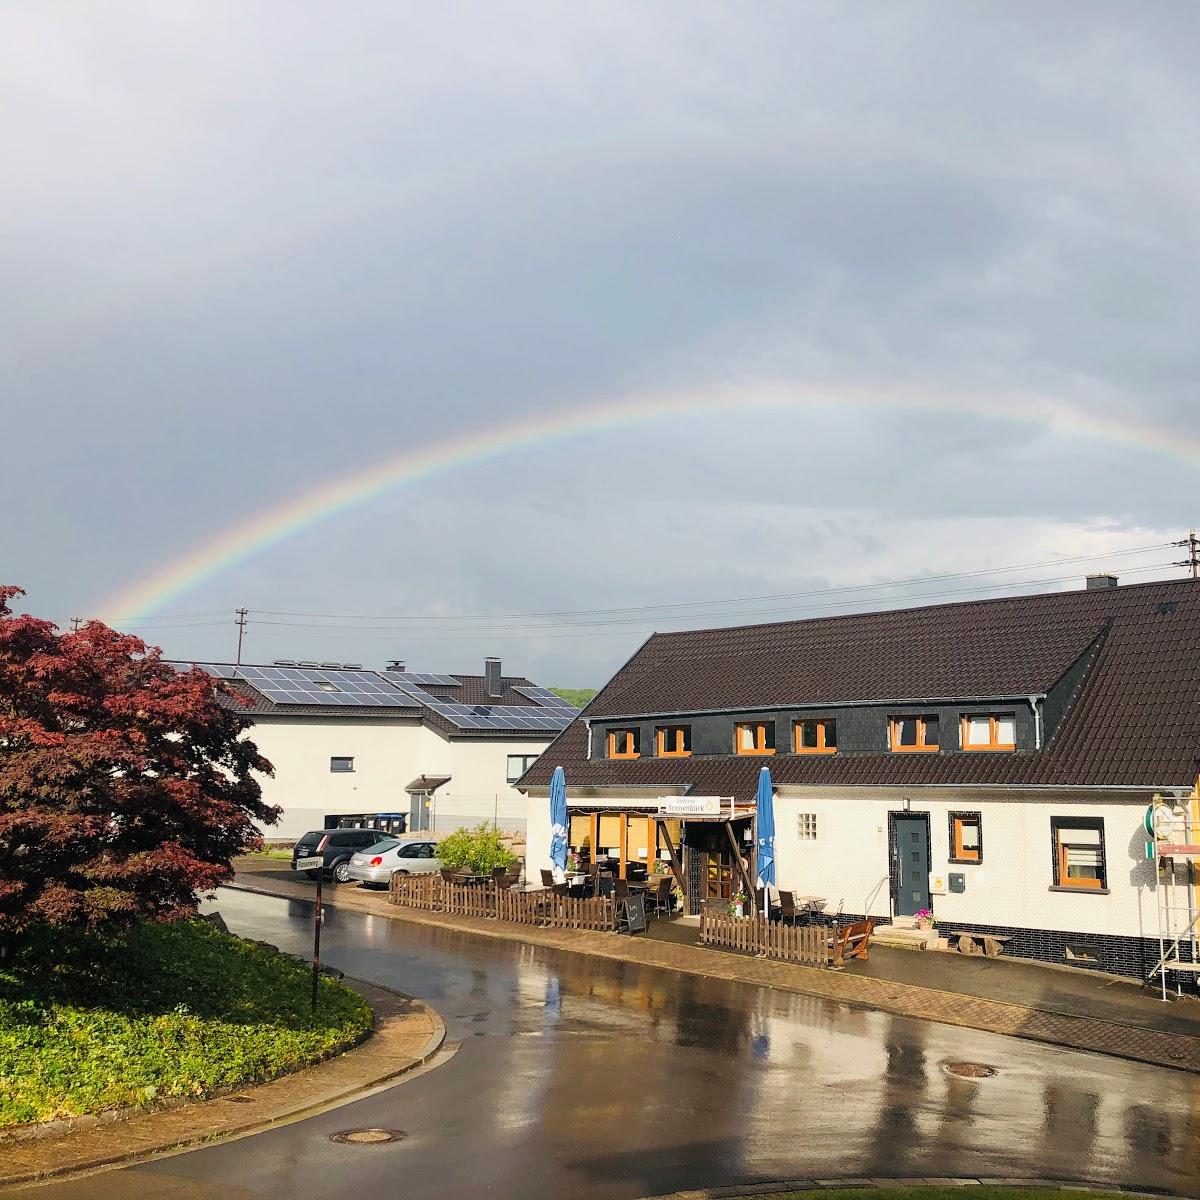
pixel 690 806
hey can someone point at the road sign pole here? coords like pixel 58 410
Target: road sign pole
pixel 318 916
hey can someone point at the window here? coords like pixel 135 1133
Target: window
pixel 966 837
pixel 807 827
pixel 913 734
pixel 755 737
pixel 624 743
pixel 1078 844
pixel 994 731
pixel 518 764
pixel 326 686
pixel 341 764
pixel 816 737
pixel 674 741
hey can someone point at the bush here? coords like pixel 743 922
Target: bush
pixel 89 1023
pixel 480 850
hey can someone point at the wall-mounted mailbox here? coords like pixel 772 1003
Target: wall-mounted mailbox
pixel 958 881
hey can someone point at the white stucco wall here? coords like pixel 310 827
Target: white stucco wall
pixel 387 755
pixel 848 861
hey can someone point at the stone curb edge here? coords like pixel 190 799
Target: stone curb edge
pixel 416 918
pixel 255 1123
pixel 881 1184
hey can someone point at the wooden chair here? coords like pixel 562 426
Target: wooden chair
pixel 850 941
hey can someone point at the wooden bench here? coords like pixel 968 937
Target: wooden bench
pixel 851 941
pixel 989 944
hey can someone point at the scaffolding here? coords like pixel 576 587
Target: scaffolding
pixel 1173 826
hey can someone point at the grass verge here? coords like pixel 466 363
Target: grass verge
pixel 182 1010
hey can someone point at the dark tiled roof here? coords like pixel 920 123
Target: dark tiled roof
pixel 1135 721
pixel 473 690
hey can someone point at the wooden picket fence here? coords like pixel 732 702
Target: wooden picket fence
pixel 808 944
pixel 432 893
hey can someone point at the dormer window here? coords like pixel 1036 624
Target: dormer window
pixel 624 743
pixel 754 737
pixel 816 737
pixel 908 735
pixel 673 741
pixel 992 731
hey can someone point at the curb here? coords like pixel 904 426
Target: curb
pixel 177 1128
pixel 878 1183
pixel 1078 1044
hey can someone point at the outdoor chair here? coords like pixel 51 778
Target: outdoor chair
pixel 787 907
pixel 620 889
pixel 447 875
pixel 658 898
pixel 547 878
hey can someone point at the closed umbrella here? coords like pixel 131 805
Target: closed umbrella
pixel 764 804
pixel 558 824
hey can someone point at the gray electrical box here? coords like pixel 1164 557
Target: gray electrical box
pixel 958 881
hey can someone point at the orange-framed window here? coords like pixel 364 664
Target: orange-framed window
pixel 989 731
pixel 624 743
pixel 914 734
pixel 673 741
pixel 817 736
pixel 754 737
pixel 966 837
pixel 1079 853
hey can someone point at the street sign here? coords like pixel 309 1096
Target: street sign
pixel 308 864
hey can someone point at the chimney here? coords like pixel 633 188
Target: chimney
pixel 1097 583
pixel 491 677
pixel 395 664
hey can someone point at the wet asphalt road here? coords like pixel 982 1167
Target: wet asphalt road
pixel 581 1078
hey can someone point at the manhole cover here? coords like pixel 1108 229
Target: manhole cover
pixel 970 1070
pixel 367 1137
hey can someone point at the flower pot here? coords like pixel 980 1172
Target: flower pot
pixel 925 924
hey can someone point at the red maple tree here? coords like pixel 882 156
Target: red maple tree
pixel 126 787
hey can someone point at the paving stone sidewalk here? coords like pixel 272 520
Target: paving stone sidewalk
pixel 406 1035
pixel 1164 1049
pixel 782 1187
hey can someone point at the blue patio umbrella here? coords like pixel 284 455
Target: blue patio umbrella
pixel 558 821
pixel 764 803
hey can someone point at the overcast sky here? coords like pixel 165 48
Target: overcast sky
pixel 248 248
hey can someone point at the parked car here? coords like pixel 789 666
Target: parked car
pixel 341 846
pixel 373 867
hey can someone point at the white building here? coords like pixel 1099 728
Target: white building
pixel 992 761
pixel 384 748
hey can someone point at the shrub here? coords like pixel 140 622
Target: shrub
pixel 480 850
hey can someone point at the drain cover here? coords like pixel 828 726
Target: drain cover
pixel 970 1070
pixel 367 1137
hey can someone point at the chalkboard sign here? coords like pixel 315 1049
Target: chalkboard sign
pixel 635 913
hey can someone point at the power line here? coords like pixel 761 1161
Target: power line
pixel 689 604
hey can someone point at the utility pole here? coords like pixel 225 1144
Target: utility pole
pixel 1192 544
pixel 240 622
pixel 75 624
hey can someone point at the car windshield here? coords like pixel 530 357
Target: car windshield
pixel 313 836
pixel 382 847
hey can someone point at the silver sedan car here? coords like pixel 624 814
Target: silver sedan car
pixel 373 866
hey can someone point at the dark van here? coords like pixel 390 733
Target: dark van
pixel 342 844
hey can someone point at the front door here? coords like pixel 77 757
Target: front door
pixel 418 812
pixel 910 855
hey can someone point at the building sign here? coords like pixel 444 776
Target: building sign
pixel 690 806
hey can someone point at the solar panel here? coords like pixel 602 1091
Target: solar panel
pixel 320 685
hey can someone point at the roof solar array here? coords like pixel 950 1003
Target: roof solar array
pixel 492 716
pixel 548 699
pixel 422 680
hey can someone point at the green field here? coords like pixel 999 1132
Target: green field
pixel 183 1010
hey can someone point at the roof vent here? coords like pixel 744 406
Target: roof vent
pixel 491 677
pixel 395 664
pixel 332 666
pixel 1098 583
pixel 284 662
pixel 352 666
pixel 306 663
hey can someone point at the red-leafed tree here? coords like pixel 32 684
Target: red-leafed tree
pixel 126 787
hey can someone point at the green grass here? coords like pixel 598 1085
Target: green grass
pixel 977 1192
pixel 267 853
pixel 576 696
pixel 164 1011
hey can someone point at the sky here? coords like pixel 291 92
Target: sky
pixel 249 249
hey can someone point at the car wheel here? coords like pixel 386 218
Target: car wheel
pixel 341 871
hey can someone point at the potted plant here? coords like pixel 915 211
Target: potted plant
pixel 737 904
pixel 924 918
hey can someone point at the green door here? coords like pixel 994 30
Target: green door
pixel 911 850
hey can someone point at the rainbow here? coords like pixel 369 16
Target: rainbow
pixel 273 525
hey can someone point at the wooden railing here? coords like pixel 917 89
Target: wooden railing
pixel 541 907
pixel 809 944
